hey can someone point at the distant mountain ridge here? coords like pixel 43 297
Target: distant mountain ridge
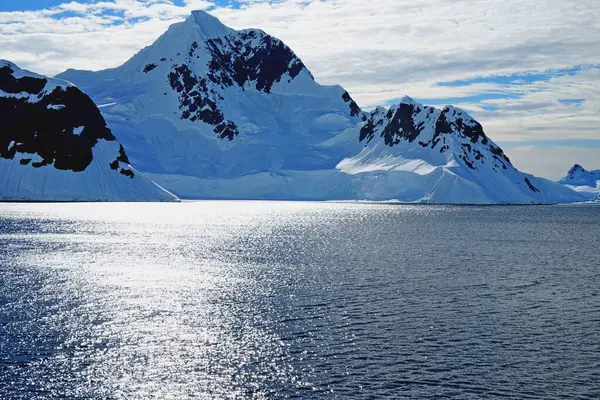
pixel 210 112
pixel 55 145
pixel 579 176
pixel 585 182
pixel 450 153
pixel 434 129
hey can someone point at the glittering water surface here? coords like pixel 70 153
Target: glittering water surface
pixel 307 300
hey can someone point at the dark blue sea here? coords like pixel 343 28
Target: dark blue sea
pixel 269 300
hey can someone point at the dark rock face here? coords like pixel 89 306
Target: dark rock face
pixel 401 124
pixel 473 131
pixel 193 49
pixel 37 122
pixel 245 59
pixel 576 169
pixel 12 85
pixel 355 110
pixel 149 67
pixel 198 102
pixel 127 172
pixel 367 132
pixel 250 57
pixel 530 185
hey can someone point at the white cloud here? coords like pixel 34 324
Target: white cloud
pixel 86 35
pixel 539 113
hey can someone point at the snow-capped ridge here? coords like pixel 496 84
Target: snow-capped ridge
pixel 455 113
pixel 447 148
pixel 208 25
pixel 442 156
pixel 409 101
pixel 579 176
pixel 18 82
pixel 583 181
pixel 575 169
pixel 429 126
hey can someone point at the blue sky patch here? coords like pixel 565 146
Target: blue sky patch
pixel 519 79
pixel 29 5
pixel 571 102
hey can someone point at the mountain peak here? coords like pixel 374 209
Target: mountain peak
pixel 200 16
pixel 409 101
pixel 447 131
pixel 15 69
pixel 208 25
pixel 12 71
pixel 6 63
pixel 579 176
pixel 576 168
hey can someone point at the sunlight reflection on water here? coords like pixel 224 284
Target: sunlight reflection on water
pixel 275 299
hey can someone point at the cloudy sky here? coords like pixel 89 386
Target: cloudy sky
pixel 528 70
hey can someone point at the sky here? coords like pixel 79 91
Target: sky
pixel 528 70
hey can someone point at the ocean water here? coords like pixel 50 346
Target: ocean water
pixel 298 300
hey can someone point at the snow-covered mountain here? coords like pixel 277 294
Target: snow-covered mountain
pixel 55 145
pixel 210 112
pixel 210 102
pixel 579 176
pixel 443 156
pixel 583 181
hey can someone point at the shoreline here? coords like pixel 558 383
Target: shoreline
pixel 369 202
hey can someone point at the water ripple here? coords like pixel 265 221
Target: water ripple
pixel 298 300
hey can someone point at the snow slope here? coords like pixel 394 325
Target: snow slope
pixel 55 146
pixel 210 112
